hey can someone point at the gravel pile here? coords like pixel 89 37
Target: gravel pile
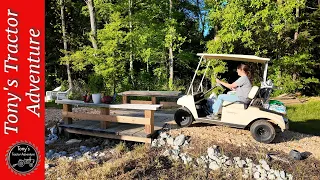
pixel 215 160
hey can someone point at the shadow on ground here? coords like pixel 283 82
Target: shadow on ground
pixel 311 126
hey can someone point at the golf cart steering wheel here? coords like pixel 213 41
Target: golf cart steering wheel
pixel 217 85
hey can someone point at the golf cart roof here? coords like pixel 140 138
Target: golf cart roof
pixel 235 57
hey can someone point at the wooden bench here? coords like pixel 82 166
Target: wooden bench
pixel 153 95
pixel 105 118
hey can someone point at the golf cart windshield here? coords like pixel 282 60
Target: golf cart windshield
pixel 230 57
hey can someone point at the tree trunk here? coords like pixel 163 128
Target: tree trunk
pixel 64 37
pixel 201 19
pixel 131 56
pixel 296 34
pixel 93 23
pixel 170 54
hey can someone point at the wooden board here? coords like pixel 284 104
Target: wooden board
pixel 115 106
pixel 152 93
pixel 168 104
pixel 140 102
pixel 108 118
pixel 112 136
pixel 113 128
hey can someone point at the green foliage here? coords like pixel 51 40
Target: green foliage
pixel 78 90
pixel 96 83
pixel 262 27
pixel 267 28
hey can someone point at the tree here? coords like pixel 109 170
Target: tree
pixel 93 34
pixel 267 29
pixel 64 36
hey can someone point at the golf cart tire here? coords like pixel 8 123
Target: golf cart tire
pixel 183 117
pixel 263 131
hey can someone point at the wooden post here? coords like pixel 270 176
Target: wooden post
pixel 104 111
pixel 149 128
pixel 154 100
pixel 124 99
pixel 67 108
pixel 67 120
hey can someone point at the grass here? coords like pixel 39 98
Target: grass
pixel 52 104
pixel 305 118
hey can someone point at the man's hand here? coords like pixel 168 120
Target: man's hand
pixel 218 81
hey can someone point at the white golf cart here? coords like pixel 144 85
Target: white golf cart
pixel 263 123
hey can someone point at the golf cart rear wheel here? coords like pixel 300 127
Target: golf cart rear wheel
pixel 263 131
pixel 183 117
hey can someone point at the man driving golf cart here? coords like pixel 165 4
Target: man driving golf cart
pixel 242 86
pixel 244 110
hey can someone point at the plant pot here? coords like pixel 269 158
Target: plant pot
pixel 96 98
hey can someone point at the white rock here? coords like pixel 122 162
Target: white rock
pixel 70 158
pixel 175 157
pixel 154 143
pixel 161 142
pixel 245 176
pixel 102 154
pixel 46 166
pixel 164 135
pixel 239 164
pixel 71 141
pixel 254 169
pixel 205 158
pixel 262 171
pixel 290 177
pixel 228 163
pixel 214 166
pixel 262 161
pixel 282 174
pixel 175 152
pixel 243 162
pixel 271 176
pixel 166 153
pixel 250 165
pixel 271 171
pixel 186 143
pixel 186 159
pixel 179 140
pixel 236 159
pixel 213 152
pixel 266 167
pixel 248 160
pixel 53 130
pixel 256 175
pixel 277 173
pixel 170 141
pixel 176 148
pixel 48 142
pixel 263 175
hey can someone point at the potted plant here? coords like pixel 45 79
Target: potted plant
pixel 96 85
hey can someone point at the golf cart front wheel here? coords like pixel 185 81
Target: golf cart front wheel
pixel 183 117
pixel 263 131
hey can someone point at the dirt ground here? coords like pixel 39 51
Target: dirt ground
pixel 284 142
pixel 234 142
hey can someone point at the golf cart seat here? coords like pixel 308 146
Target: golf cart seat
pixel 239 104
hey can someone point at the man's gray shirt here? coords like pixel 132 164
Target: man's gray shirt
pixel 243 88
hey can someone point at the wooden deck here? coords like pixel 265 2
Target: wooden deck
pixel 123 131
